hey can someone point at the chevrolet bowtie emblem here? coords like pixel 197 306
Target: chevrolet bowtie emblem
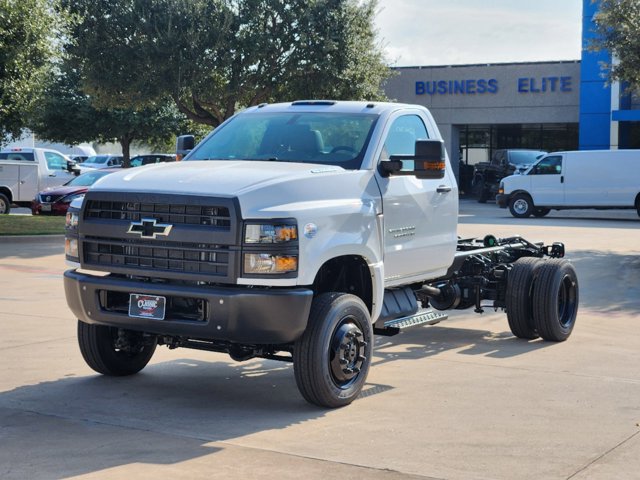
pixel 148 228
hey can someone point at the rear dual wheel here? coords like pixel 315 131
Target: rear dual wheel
pixel 542 299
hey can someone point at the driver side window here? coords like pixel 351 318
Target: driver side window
pixel 401 138
pixel 548 166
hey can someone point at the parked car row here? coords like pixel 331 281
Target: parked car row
pixel 47 181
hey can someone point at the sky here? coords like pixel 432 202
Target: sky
pixel 457 32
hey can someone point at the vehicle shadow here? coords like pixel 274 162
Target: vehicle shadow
pixel 181 405
pixel 426 342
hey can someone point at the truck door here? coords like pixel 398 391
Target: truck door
pixel 419 221
pixel 547 181
pixel 56 170
pixel 28 185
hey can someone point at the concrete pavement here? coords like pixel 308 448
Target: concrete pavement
pixel 460 400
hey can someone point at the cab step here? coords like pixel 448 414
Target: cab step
pixel 423 317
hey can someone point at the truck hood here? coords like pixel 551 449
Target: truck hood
pixel 264 189
pixel 221 178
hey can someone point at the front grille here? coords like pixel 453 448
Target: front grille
pixel 179 257
pixel 46 198
pixel 175 214
pixel 199 239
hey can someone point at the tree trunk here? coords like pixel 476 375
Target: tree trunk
pixel 125 143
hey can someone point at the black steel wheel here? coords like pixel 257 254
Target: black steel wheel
pixel 114 351
pixel 332 358
pixel 521 205
pixel 479 189
pixel 519 297
pixel 555 300
pixel 541 212
pixel 5 205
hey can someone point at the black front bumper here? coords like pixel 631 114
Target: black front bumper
pixel 502 201
pixel 236 314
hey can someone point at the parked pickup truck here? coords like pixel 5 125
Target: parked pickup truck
pixel 26 171
pixel 297 232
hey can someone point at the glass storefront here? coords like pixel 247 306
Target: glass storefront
pixel 478 142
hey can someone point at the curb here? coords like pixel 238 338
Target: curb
pixel 32 239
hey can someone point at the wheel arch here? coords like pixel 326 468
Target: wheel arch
pixel 348 274
pixel 6 191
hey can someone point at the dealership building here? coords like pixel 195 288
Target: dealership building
pixel 542 105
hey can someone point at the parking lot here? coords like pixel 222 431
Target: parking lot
pixel 460 400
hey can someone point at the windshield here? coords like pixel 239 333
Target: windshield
pixel 324 138
pixel 524 157
pixel 86 179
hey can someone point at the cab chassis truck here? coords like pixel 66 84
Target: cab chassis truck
pixel 297 232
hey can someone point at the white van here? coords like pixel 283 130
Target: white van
pixel 26 171
pixel 599 179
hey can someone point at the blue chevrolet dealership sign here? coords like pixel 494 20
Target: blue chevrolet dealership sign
pixel 491 86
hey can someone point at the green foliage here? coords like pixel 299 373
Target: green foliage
pixel 30 33
pixel 215 56
pixel 67 115
pixel 618 26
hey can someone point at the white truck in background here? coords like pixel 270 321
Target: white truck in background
pixel 296 232
pixel 26 171
pixel 583 179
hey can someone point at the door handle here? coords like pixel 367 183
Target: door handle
pixel 443 189
pixel 52 174
pixel 562 179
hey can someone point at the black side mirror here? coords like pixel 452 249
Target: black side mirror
pixel 430 159
pixel 184 145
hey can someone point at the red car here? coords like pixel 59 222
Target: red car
pixel 56 200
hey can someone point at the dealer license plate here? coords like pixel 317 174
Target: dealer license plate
pixel 146 306
pixel 46 207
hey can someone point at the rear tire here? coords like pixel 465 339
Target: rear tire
pixel 104 352
pixel 519 297
pixel 521 205
pixel 555 300
pixel 332 358
pixel 5 205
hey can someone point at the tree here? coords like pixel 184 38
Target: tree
pixel 29 45
pixel 618 27
pixel 68 115
pixel 215 56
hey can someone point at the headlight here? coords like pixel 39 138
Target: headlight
pixel 71 248
pixel 71 198
pixel 71 220
pixel 267 263
pixel 270 233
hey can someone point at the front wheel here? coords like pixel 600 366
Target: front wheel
pixel 332 358
pixel 521 205
pixel 114 351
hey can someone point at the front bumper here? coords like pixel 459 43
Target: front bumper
pixel 236 314
pixel 502 200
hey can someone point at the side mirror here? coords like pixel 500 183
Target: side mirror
pixel 184 145
pixel 429 159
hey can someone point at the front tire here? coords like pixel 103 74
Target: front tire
pixel 555 300
pixel 332 358
pixel 5 205
pixel 521 205
pixel 113 351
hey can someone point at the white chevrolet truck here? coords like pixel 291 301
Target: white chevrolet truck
pixel 297 232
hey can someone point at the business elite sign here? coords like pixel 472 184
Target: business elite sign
pixel 482 86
